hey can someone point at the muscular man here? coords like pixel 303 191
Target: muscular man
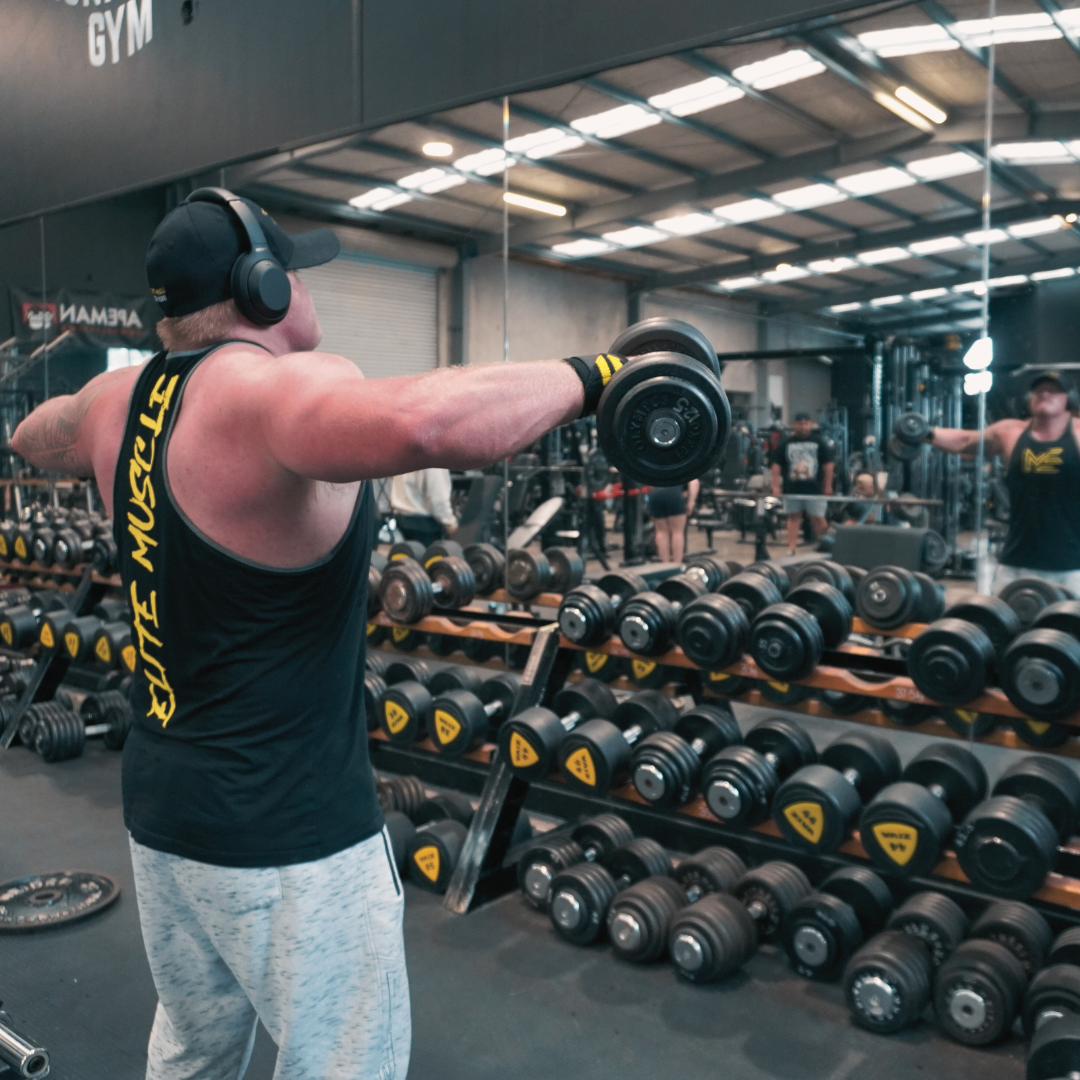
pixel 1043 480
pixel 234 466
pixel 802 470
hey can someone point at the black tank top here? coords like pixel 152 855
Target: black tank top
pixel 249 745
pixel 1043 479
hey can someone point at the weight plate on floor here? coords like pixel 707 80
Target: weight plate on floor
pixel 44 900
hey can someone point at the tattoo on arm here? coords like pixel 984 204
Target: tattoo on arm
pixel 48 437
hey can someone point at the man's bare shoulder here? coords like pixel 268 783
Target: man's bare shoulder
pixel 249 372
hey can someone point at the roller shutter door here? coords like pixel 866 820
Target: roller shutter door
pixel 382 316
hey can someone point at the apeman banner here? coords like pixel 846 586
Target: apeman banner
pixel 100 320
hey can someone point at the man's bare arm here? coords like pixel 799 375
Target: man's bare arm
pixel 321 419
pixel 961 441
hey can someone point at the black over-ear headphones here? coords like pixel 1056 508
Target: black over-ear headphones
pixel 260 286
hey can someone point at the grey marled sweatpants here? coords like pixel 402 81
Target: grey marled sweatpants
pixel 314 950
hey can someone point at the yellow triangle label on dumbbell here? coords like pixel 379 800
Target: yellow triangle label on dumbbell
pixel 20 547
pixel 594 661
pixel 806 819
pixel 521 752
pixel 400 555
pixel 71 643
pixel 3 546
pixel 400 633
pixel 897 839
pixel 103 652
pixel 966 716
pixel 643 668
pixel 396 716
pixel 580 764
pixel 47 638
pixel 1037 727
pixel 427 861
pixel 447 729
pixel 371 628
pixel 127 654
pixel 780 687
pixel 719 676
pixel 7 633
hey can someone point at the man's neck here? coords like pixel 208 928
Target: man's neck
pixel 1050 427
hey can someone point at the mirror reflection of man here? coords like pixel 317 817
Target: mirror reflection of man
pixel 802 471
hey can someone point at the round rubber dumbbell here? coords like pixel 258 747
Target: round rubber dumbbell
pixel 377 633
pixel 595 756
pixel 1020 929
pixel 409 591
pixel 401 831
pixel 58 733
pixel 441 549
pixel 769 893
pixel 404 638
pixel 374 688
pixel 829 606
pixel 104 555
pixel 753 592
pixel 602 666
pixel 997 620
pixel 581 894
pixel 951 661
pixel 1008 843
pixel 443 644
pixel 1040 733
pixel 829 572
pixel 78 637
pixel 441 680
pixel 647 674
pixel 666 766
pixel 434 852
pixel 723 682
pixel 588 614
pixel 488 567
pixel 906 825
pixel 592 840
pixel 912 429
pixel 841 703
pixel 824 929
pixel 815 806
pixel 529 742
pixel 461 720
pixel 1028 596
pixel 938 922
pixel 908 713
pixel 647 621
pixel 712 869
pixel 374 584
pixel 713 630
pixel 786 641
pixel 1054 1053
pixel 713 570
pixel 740 781
pixel 74 545
pixel 1040 674
pixel 528 574
pixel 711 939
pixel 404 712
pixel 445 806
pixel 111 645
pixel 406 549
pixel 783 693
pixel 887 983
pixel 888 597
pixel 376 662
pixel 1053 993
pixel 774 572
pixel 567 568
pixel 978 992
pixel 1044 665
pixel 107 714
pixel 404 794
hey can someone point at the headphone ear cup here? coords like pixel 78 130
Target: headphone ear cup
pixel 261 289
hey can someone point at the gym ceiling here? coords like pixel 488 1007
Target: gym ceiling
pixel 835 170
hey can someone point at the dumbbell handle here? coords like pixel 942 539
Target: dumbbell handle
pixel 1051 1013
pixel 757 910
pixel 571 720
pixel 937 791
pixel 852 776
pixel 699 746
pixel 493 708
pixel 19 1054
pixel 93 730
pixel 633 733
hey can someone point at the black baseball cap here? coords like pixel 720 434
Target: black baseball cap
pixel 192 251
pixel 802 416
pixel 1059 377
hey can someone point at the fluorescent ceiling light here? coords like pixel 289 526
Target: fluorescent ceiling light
pixel 980 355
pixel 806 198
pixel 785 272
pixel 697 97
pixel 788 67
pixel 419 179
pixel 978 382
pixel 985 236
pixel 734 284
pixel 876 181
pixel 944 166
pixel 579 249
pixel 1049 275
pixel 530 203
pixel 1035 228
pixel 688 224
pixel 909 40
pixel 1007 29
pixel 928 294
pixel 615 122
pixel 484 163
pixel 442 183
pixel 831 266
pixel 883 255
pixel 936 246
pixel 748 210
pixel 437 149
pixel 886 301
pixel 635 236
pixel 379 198
pixel 543 143
pixel 845 307
pixel 921 105
pixel 1033 153
pixel 1005 282
pixel 975 287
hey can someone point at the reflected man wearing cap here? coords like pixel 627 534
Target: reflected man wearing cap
pixel 802 469
pixel 1043 481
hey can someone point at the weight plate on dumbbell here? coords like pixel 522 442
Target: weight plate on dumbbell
pixel 406 549
pixel 1027 596
pixel 440 550
pixel 935 551
pixel 528 574
pixel 567 568
pixel 44 900
pixel 1040 674
pixel 951 660
pixel 661 334
pixel 903 451
pixel 912 427
pixel 488 566
pixel 828 605
pixel 887 597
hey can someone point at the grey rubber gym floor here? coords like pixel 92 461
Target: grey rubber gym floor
pixel 494 994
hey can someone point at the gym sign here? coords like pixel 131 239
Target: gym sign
pixel 115 26
pixel 100 320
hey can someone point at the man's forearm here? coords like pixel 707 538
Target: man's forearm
pixel 959 441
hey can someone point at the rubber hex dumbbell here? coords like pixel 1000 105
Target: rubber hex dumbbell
pixel 739 782
pixel 753 592
pixel 1055 1050
pixel 592 840
pixel 595 757
pixel 581 894
pixel 890 596
pixel 1027 596
pixel 1008 843
pixel 460 719
pixel 887 983
pixel 588 614
pixel 409 591
pixel 978 992
pixel 816 805
pixel 936 920
pixel 666 766
pixel 951 661
pixel 20 625
pixel 906 825
pixel 829 572
pixel 825 928
pixel 488 566
pixel 529 742
pixel 648 621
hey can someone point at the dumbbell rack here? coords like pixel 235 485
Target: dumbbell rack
pixel 481 874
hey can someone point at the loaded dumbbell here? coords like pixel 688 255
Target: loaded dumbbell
pixel 739 782
pixel 404 707
pixel 20 625
pixel 57 733
pixel 906 825
pixel 1009 842
pixel 441 549
pixel 887 983
pixel 1040 668
pixel 937 921
pixel 555 569
pixel 996 619
pixel 1020 929
pixel 107 713
pixel 666 766
pixel 409 591
pixel 788 639
pixel 829 572
pixel 405 794
pixel 647 621
pixel 1054 992
pixel 603 666
pixel 595 756
pixel 104 554
pixel 1028 596
pixel 774 572
pixel 401 831
pixel 462 719
pixel 978 992
pixel 588 614
pixel 111 645
pixel 374 689
pixel 406 549
pixel 713 630
pixel 951 661
pixel 825 928
pixel 433 853
pixel 841 703
pixel 713 570
pixel 529 742
pixel 1054 1053
pixel 815 806
pixel 445 806
pixel 488 566
pixel 910 431
pixel 753 592
pixel 712 869
pixel 890 596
